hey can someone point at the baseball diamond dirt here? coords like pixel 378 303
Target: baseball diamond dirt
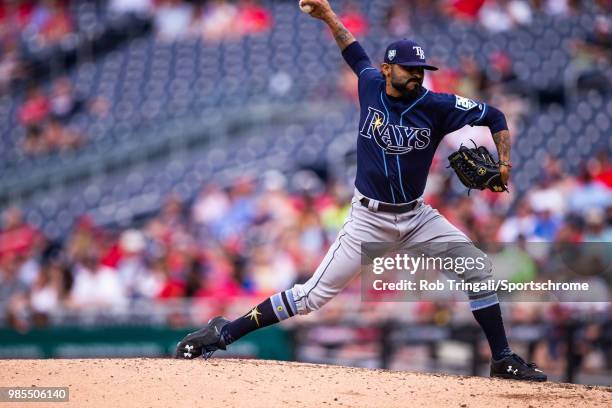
pixel 258 383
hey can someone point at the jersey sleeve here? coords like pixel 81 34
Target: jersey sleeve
pixel 457 111
pixel 356 58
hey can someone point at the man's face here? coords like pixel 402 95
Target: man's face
pixel 406 80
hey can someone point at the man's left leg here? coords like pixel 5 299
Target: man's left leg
pixel 339 266
pixel 429 226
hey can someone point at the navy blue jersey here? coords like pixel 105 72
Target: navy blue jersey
pixel 398 138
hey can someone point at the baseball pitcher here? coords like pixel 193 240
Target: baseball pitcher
pixel 400 126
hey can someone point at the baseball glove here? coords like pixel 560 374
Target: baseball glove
pixel 477 169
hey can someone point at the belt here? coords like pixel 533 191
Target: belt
pixel 391 208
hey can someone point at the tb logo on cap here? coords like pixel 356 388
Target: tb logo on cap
pixel 419 51
pixel 391 54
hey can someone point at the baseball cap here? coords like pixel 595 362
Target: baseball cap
pixel 407 53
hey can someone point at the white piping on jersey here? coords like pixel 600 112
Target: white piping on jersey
pixel 484 109
pixel 399 167
pixel 365 69
pixel 412 106
pixel 385 155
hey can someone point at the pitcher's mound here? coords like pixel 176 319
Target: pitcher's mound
pixel 255 383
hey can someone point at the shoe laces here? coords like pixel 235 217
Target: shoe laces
pixel 520 360
pixel 208 351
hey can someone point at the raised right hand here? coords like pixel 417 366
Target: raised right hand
pixel 320 8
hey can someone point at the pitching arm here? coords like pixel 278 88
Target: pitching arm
pixel 352 52
pixel 323 11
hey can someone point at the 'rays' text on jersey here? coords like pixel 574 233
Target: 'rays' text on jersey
pixel 394 139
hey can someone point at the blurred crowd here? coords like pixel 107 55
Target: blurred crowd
pixel 212 20
pixel 37 24
pixel 46 117
pixel 229 242
pixel 255 237
pixel 26 24
pixel 494 15
pixel 30 26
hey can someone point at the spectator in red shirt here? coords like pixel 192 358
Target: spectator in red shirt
pixel 354 20
pixel 35 109
pixel 171 286
pixel 16 236
pixel 253 17
pixel 51 20
pixel 603 169
pixel 32 115
pixel 465 9
pixel 14 16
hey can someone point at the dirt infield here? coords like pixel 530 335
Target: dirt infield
pixel 256 383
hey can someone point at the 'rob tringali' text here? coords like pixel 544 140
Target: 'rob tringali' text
pixel 490 285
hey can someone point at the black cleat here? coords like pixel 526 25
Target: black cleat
pixel 515 368
pixel 203 342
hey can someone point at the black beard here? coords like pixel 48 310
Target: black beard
pixel 407 94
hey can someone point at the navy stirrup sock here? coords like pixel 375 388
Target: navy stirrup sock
pixel 490 319
pixel 276 308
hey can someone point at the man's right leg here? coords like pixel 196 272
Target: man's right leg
pixel 340 265
pixel 432 227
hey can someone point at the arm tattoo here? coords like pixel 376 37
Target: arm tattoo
pixel 502 142
pixel 343 37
